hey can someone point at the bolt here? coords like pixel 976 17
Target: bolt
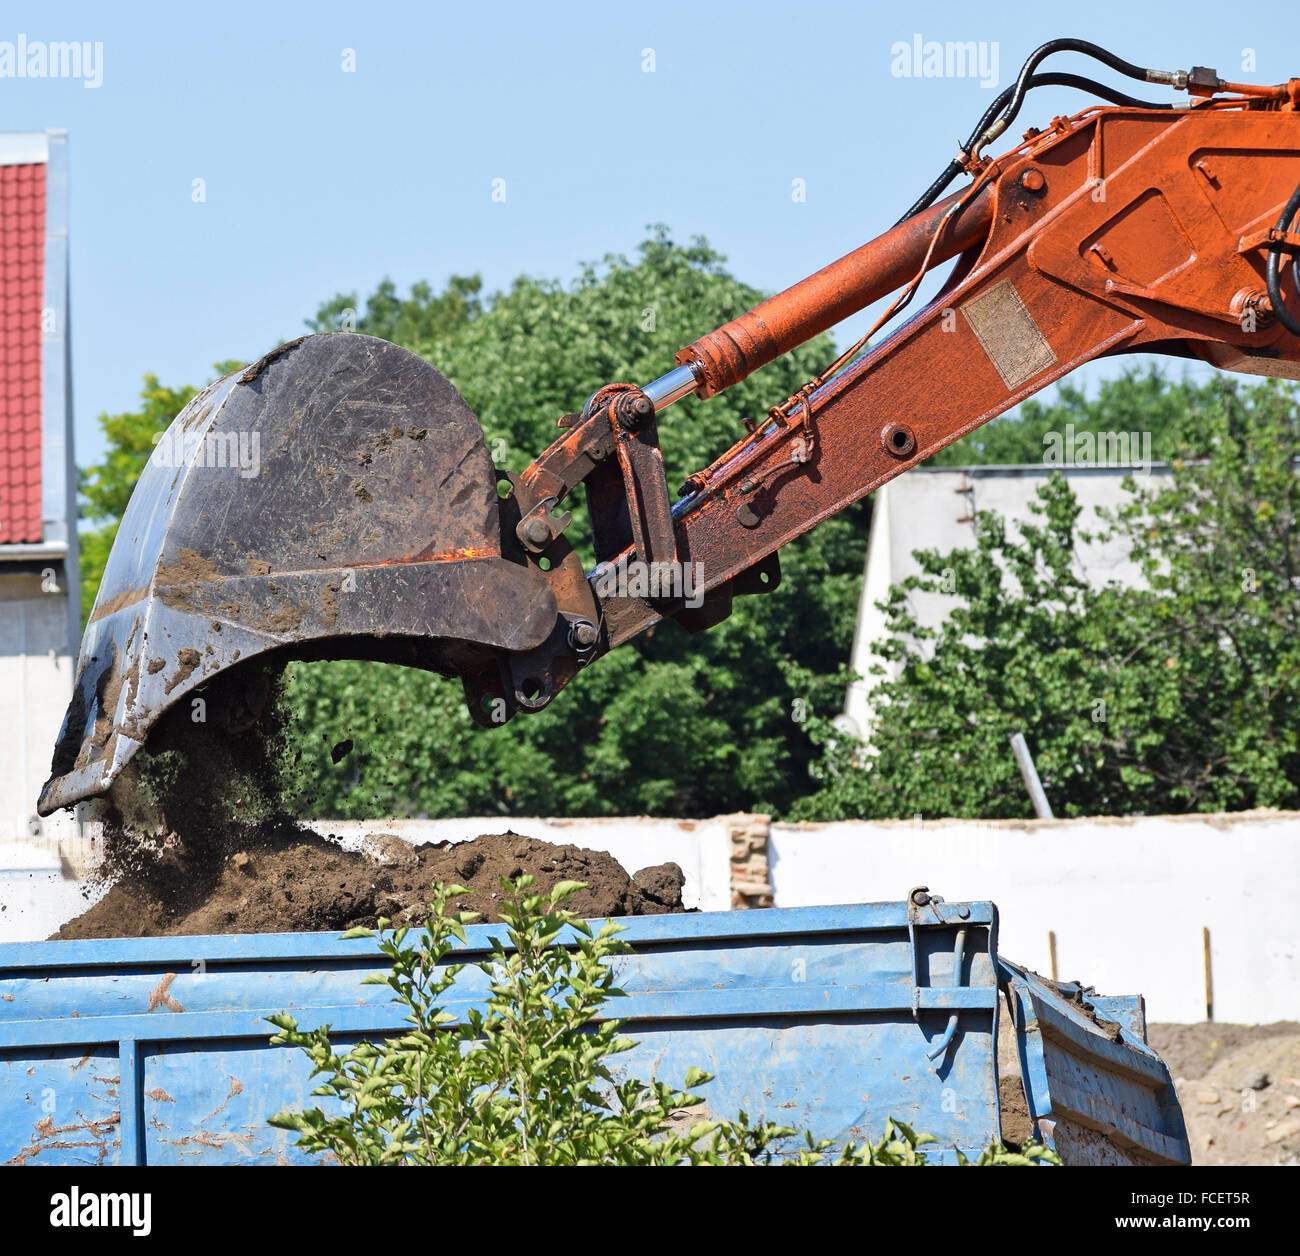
pixel 537 531
pixel 1252 299
pixel 898 439
pixel 964 912
pixel 583 634
pixel 1033 181
pixel 634 414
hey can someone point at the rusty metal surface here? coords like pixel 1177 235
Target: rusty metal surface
pixel 366 525
pixel 724 357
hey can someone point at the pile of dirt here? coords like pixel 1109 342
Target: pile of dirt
pixel 1239 1087
pixel 280 878
pixel 198 838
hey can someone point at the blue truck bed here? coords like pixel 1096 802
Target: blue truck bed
pixel 831 1019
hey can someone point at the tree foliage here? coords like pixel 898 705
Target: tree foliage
pixel 423 316
pixel 1183 695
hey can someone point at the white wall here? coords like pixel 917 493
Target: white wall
pixel 38 891
pixel 1127 899
pixel 35 685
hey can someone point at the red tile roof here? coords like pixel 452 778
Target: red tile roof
pixel 22 292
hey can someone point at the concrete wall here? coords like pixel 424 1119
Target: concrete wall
pixel 39 890
pixel 1127 899
pixel 36 670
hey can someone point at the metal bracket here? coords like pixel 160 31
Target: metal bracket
pixel 918 900
pixel 1269 238
pixel 541 525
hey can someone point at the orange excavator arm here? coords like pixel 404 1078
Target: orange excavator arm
pixel 1117 230
pixel 378 527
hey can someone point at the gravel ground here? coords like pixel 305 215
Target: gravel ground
pixel 1239 1086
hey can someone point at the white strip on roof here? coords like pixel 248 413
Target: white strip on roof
pixel 23 148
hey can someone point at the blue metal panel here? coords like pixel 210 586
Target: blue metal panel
pixel 805 1015
pixel 60 1106
pixel 1097 1093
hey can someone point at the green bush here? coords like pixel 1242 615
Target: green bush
pixel 526 1079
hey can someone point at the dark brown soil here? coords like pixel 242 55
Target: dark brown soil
pixel 284 880
pixel 197 840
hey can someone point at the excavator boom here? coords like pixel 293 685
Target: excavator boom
pixel 357 513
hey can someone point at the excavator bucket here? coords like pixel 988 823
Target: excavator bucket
pixel 334 500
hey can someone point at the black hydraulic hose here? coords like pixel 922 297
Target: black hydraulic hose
pixel 1050 79
pixel 1009 101
pixel 1084 46
pixel 931 194
pixel 1274 271
pixel 1057 79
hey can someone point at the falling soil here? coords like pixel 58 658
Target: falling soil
pixel 198 838
pixel 284 879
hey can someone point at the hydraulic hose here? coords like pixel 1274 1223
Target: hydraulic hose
pixel 1009 101
pixel 1274 272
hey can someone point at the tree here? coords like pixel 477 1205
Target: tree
pixel 423 317
pixel 1181 696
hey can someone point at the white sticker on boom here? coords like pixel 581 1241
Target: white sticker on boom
pixel 1008 334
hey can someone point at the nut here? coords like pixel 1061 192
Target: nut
pixel 537 531
pixel 583 634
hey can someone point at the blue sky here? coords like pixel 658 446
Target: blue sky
pixel 319 180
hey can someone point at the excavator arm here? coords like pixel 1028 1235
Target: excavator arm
pixel 1118 230
pixel 378 528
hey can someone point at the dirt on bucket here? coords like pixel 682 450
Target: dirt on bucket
pixel 285 879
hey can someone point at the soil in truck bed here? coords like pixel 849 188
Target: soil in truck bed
pixel 199 837
pixel 284 879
